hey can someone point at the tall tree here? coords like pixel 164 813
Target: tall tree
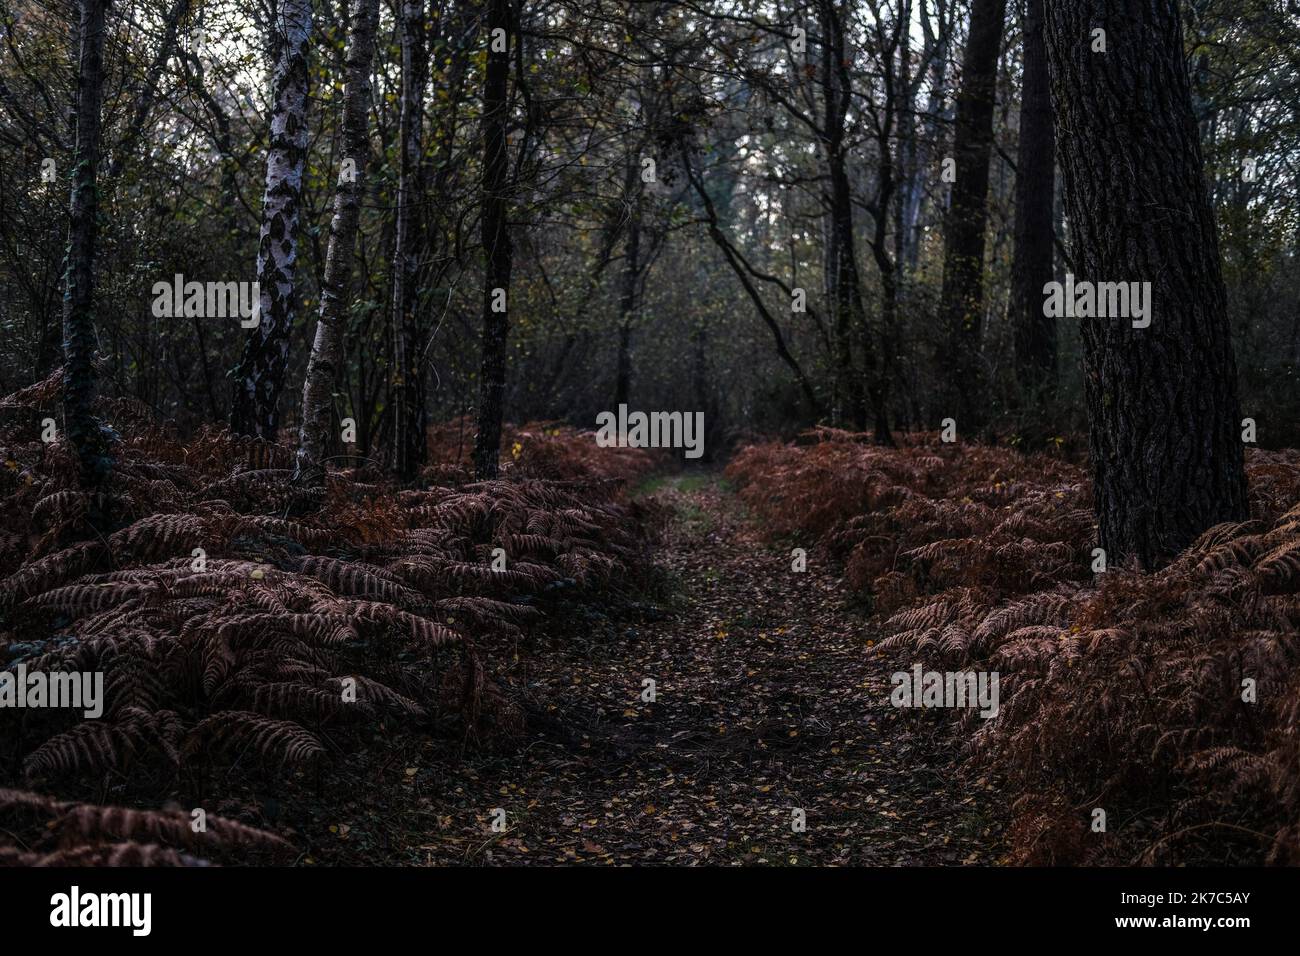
pixel 843 281
pixel 961 306
pixel 408 407
pixel 630 210
pixel 627 303
pixel 259 377
pixel 496 238
pixel 80 387
pixel 1163 413
pixel 322 366
pixel 888 111
pixel 1032 261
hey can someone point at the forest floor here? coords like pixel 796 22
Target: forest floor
pixel 768 701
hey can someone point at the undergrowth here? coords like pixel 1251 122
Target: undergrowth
pixel 1121 690
pixel 240 620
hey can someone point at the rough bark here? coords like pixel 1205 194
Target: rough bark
pixel 627 292
pixel 80 387
pixel 843 281
pixel 259 377
pixel 895 96
pixel 496 243
pixel 322 366
pixel 961 306
pixel 1032 261
pixel 1164 419
pixel 408 405
pixel 704 387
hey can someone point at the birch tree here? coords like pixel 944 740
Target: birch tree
pixel 259 378
pixel 322 366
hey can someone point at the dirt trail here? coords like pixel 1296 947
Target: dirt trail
pixel 767 702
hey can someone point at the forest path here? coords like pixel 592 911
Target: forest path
pixel 767 702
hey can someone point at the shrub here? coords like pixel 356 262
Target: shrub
pixel 235 616
pixel 1122 690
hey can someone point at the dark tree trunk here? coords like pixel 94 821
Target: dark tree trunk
pixel 627 303
pixel 895 82
pixel 322 366
pixel 843 292
pixel 843 282
pixel 1032 262
pixel 703 386
pixel 623 370
pixel 961 305
pixel 408 404
pixel 905 152
pixel 496 244
pixel 85 434
pixel 259 379
pixel 1164 418
pixel 888 311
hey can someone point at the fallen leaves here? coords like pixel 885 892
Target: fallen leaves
pixel 768 701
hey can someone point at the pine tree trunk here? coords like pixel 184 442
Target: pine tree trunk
pixel 627 299
pixel 80 387
pixel 259 378
pixel 496 244
pixel 322 366
pixel 843 281
pixel 895 98
pixel 408 406
pixel 703 386
pixel 961 305
pixel 1164 418
pixel 1032 261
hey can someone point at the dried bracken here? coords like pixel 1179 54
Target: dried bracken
pixel 62 833
pixel 1120 691
pixel 235 617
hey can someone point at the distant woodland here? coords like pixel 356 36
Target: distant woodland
pixel 971 327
